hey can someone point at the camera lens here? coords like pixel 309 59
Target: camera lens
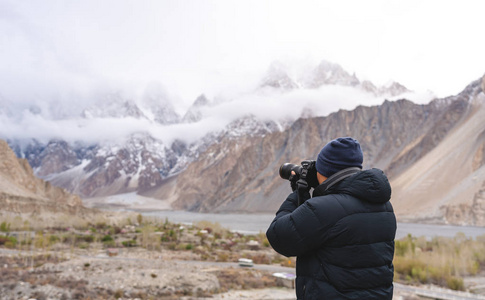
pixel 285 170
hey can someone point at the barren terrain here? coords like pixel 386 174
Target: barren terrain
pixel 154 259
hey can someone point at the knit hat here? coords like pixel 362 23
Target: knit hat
pixel 339 154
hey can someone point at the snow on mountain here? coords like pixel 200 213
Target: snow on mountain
pixel 327 73
pixel 249 126
pixel 135 164
pixel 433 155
pixel 277 77
pixel 391 89
pixel 194 113
pixel 147 140
pixel 287 78
pixel 153 107
pixel 113 106
pixel 157 105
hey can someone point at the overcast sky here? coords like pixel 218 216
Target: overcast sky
pixel 61 48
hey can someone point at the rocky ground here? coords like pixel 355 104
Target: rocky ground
pixel 147 260
pixel 154 260
pixel 136 274
pixel 131 274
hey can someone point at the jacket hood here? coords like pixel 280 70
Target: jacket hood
pixel 370 185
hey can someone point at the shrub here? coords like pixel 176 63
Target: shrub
pixel 8 241
pixel 53 239
pixel 117 230
pixel 401 248
pixel 222 257
pixel 5 227
pixel 100 225
pixel 419 274
pixel 85 238
pixel 118 294
pixel 109 244
pixel 107 238
pixel 83 245
pixel 455 283
pixel 129 243
pixel 261 259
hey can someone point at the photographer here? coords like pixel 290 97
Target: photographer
pixel 343 236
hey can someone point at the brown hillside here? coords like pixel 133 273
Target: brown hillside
pixel 21 193
pixel 433 155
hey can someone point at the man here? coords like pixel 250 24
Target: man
pixel 343 236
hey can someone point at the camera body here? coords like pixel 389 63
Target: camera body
pixel 306 171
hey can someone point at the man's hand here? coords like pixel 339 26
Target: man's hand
pixel 293 179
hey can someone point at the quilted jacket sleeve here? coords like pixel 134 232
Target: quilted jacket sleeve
pixel 295 229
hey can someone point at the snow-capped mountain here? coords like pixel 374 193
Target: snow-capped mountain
pixel 280 76
pixel 223 155
pixel 194 113
pixel 157 105
pixel 433 155
pixel 277 77
pixel 154 109
pixel 143 156
pixel 113 106
pixel 328 73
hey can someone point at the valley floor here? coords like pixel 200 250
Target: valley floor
pixel 142 274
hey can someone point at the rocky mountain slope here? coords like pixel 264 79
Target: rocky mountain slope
pixel 140 161
pixel 23 193
pixel 448 181
pixel 235 167
pixel 433 155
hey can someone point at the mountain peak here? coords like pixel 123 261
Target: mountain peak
pixel 201 100
pixel 393 89
pixel 113 106
pixel 277 77
pixel 194 113
pixel 328 73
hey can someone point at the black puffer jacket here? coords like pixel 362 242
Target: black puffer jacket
pixel 343 239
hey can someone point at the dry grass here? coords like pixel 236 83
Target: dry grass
pixel 442 261
pixel 27 222
pixel 214 228
pixel 205 241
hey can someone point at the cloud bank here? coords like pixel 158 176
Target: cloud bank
pixel 41 121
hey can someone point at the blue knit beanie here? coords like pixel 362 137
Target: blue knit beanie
pixel 339 154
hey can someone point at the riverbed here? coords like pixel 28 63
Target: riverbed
pixel 250 223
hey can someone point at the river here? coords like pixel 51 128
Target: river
pixel 256 223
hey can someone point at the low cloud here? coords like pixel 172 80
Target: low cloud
pixel 38 122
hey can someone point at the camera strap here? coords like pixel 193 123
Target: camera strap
pixel 303 188
pixel 337 177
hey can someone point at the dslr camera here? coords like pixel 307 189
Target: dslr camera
pixel 307 172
